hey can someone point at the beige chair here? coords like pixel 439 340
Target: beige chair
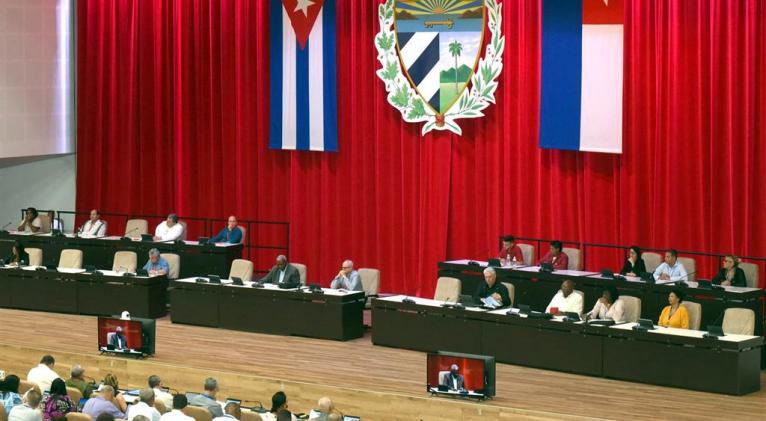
pixel 3 417
pixel 738 321
pixel 511 291
pixel 35 256
pixel 243 230
pixel 301 271
pixel 74 394
pixel 527 253
pixel 78 416
pixel 447 289
pixel 174 261
pixel 248 415
pixel 242 269
pixel 136 227
pixel 651 260
pixel 25 386
pixel 691 267
pixel 186 230
pixel 695 314
pixel 71 259
pixel 370 283
pixel 125 261
pixel 574 257
pixel 45 223
pixel 199 414
pixel 632 306
pixel 160 407
pixel 751 273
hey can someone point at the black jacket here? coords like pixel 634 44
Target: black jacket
pixel 737 281
pixel 639 268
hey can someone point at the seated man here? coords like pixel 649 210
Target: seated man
pixel 95 227
pixel 491 288
pixel 43 375
pixel 78 381
pixel 230 234
pixel 454 380
pixel 232 411
pixel 510 252
pixel 118 340
pixel 347 278
pixel 56 223
pixel 156 266
pixel 566 300
pixel 324 409
pixel 144 407
pixel 556 257
pixel 207 399
pixel 30 411
pixel 31 221
pixel 155 383
pixel 671 269
pixel 169 230
pixel 179 403
pixel 282 273
pixel 102 403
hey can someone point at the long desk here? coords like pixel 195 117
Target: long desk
pixel 330 315
pixel 77 292
pixel 196 259
pixel 670 357
pixel 536 289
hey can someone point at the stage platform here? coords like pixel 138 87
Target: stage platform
pixel 376 383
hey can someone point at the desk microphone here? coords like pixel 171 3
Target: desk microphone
pixel 6 226
pixel 680 282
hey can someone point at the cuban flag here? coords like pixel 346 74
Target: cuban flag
pixel 581 75
pixel 304 107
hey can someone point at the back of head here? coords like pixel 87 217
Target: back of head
pixel 233 409
pixel 154 381
pixel 180 401
pixel 33 398
pixel 335 416
pixel 105 417
pixel 141 418
pixel 58 387
pixel 557 245
pixel 211 384
pixel 278 400
pixel 146 396
pixel 48 360
pixel 284 415
pixel 111 380
pixel 77 371
pixel 10 384
pixel 324 405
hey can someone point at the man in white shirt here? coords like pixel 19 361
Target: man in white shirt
pixel 232 412
pixel 29 411
pixel 179 403
pixel 671 269
pixel 155 383
pixel 169 230
pixel 43 375
pixel 31 221
pixel 145 406
pixel 95 227
pixel 566 300
pixel 325 407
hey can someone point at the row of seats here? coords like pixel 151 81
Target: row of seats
pixel 126 261
pixel 740 321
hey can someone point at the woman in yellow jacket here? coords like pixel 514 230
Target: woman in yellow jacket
pixel 675 315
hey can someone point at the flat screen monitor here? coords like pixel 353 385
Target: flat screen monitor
pixel 475 374
pixel 134 336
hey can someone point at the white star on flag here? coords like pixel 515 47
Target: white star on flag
pixel 303 5
pixel 606 3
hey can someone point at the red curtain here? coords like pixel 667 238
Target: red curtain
pixel 173 106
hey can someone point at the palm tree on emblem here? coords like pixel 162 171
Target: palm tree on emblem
pixel 455 49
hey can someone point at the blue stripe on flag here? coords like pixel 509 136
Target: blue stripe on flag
pixel 404 38
pixel 425 62
pixel 302 121
pixel 275 120
pixel 330 89
pixel 561 74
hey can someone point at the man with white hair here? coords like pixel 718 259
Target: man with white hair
pixel 207 399
pixel 454 380
pixel 491 288
pixel 283 273
pixel 325 408
pixel 102 403
pixel 347 278
pixel 144 407
pixel 78 381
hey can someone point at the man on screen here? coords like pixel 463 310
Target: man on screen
pixel 118 340
pixel 454 380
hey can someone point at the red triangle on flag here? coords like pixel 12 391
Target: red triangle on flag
pixel 303 14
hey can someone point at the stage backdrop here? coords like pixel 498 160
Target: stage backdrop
pixel 173 116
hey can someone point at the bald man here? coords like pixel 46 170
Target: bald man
pixel 325 408
pixel 566 299
pixel 231 234
pixel 454 380
pixel 282 273
pixel 347 279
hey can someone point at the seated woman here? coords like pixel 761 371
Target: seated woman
pixel 675 315
pixel 609 306
pixel 730 274
pixel 58 403
pixel 18 255
pixel 634 265
pixel 9 393
pixel 119 398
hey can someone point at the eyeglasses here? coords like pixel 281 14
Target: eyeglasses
pixel 346 267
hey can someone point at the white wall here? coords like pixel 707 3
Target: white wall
pixel 46 182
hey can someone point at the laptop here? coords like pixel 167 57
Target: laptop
pixel 468 300
pixel 495 263
pixel 203 240
pixel 704 284
pixel 142 272
pixel 644 325
pixel 214 279
pixel 714 331
pixel 647 277
pixel 571 316
pixel 235 280
pixel 524 309
pixel 606 273
pixel 546 267
pixel 147 237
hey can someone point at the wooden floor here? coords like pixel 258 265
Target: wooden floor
pixel 360 366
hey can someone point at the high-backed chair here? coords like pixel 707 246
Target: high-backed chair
pixel 691 267
pixel 25 386
pixel 527 253
pixel 74 394
pixel 443 377
pixel 574 257
pixel 198 413
pixel 136 227
pixel 243 230
pixel 370 283
pixel 632 306
pixel 738 321
pixel 125 261
pixel 35 256
pixel 242 269
pixel 78 416
pixel 751 273
pixel 651 260
pixel 186 230
pixel 45 223
pixel 511 291
pixel 3 416
pixel 301 271
pixel 695 314
pixel 71 259
pixel 248 415
pixel 447 289
pixel 174 261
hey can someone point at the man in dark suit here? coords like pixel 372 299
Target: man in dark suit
pixel 454 380
pixel 119 341
pixel 283 273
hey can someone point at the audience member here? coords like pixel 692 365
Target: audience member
pixel 105 417
pixel 77 381
pixel 324 409
pixel 155 383
pixel 30 410
pixel 144 407
pixel 232 412
pixel 179 403
pixel 207 399
pixel 43 375
pixel 119 399
pixel 9 393
pixel 58 403
pixel 102 403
